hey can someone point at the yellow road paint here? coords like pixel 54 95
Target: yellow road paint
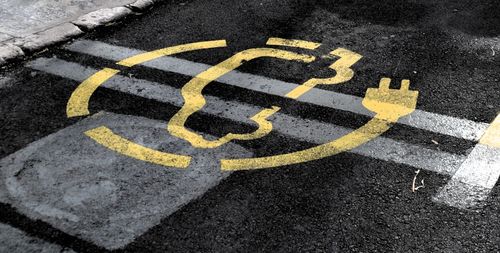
pixel 79 101
pixel 194 100
pixel 491 137
pixel 108 139
pixel 342 68
pixel 292 43
pixel 388 104
pixel 78 104
pixel 265 127
pixel 141 58
pixel 371 130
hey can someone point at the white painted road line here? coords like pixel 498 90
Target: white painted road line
pixel 474 180
pixel 89 191
pixel 13 240
pixel 476 177
pixel 479 171
pixel 308 130
pixel 460 128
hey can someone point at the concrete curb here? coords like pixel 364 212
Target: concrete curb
pixel 16 48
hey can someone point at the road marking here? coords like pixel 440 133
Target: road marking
pixel 194 99
pixel 80 98
pixel 293 43
pixel 343 73
pixel 442 124
pixel 368 132
pixel 107 138
pixel 148 56
pixel 306 130
pixel 461 128
pixel 492 135
pixel 89 191
pixel 473 181
pixel 388 104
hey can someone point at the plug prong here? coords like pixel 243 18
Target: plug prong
pixel 384 83
pixel 405 84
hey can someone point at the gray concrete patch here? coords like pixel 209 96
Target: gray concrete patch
pixel 101 17
pixel 24 17
pixel 86 190
pixel 13 240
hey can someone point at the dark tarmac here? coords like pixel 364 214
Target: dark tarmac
pixel 450 50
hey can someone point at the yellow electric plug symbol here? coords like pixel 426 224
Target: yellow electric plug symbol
pixel 388 104
pixel 391 104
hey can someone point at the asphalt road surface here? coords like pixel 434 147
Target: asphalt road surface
pixel 62 190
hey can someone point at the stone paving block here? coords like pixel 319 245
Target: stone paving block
pixel 22 18
pixel 141 4
pixel 87 190
pixel 46 38
pixel 9 51
pixel 101 17
pixel 13 240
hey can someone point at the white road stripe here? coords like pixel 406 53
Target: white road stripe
pixel 307 130
pixel 474 180
pixel 456 127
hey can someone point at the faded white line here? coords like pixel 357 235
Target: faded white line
pixel 474 180
pixel 442 124
pixel 471 184
pixel 308 130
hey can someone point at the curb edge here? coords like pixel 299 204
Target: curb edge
pixel 16 48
